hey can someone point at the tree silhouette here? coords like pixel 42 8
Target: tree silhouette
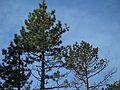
pixel 41 39
pixel 13 70
pixel 38 51
pixel 84 61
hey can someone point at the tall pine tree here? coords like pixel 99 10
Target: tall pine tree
pixel 41 38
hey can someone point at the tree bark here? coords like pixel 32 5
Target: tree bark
pixel 87 84
pixel 86 77
pixel 42 87
pixel 19 73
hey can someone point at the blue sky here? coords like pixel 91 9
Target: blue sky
pixel 95 21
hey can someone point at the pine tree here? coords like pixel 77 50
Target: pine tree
pixel 41 38
pixel 84 61
pixel 13 70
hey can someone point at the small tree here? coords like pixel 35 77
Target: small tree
pixel 41 42
pixel 13 70
pixel 84 61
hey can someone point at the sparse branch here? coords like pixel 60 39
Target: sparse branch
pixel 103 82
pixel 97 72
pixel 35 77
pixel 94 62
pixel 83 60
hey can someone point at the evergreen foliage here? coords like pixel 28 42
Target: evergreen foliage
pixel 84 61
pixel 38 52
pixel 13 70
pixel 41 39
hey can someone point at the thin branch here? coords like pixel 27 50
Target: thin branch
pixel 97 72
pixel 101 83
pixel 35 77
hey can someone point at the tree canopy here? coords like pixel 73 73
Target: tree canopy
pixel 38 52
pixel 84 61
pixel 41 40
pixel 14 70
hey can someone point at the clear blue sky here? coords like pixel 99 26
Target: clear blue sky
pixel 95 21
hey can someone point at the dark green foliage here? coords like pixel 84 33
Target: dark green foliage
pixel 39 42
pixel 13 69
pixel 42 31
pixel 41 39
pixel 84 61
pixel 39 47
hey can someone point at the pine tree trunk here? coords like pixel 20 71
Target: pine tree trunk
pixel 86 76
pixel 42 87
pixel 19 74
pixel 87 84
